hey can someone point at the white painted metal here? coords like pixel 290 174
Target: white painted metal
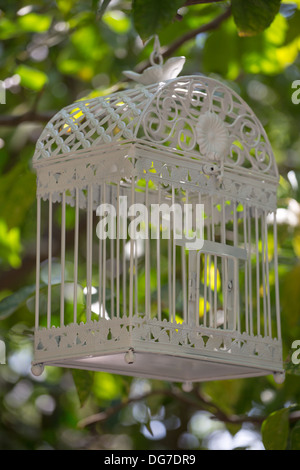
pixel 210 314
pixel 38 261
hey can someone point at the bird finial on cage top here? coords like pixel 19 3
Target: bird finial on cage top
pixel 158 71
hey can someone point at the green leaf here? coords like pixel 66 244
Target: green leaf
pixel 293 31
pixel 149 16
pixel 275 430
pixel 35 23
pixel 295 437
pixel 291 296
pixel 8 28
pixel 154 404
pixel 83 380
pixel 291 368
pixel 31 78
pixel 65 6
pixel 10 245
pixel 225 393
pixel 148 427
pixel 214 60
pixel 254 16
pixel 107 386
pixel 117 21
pixel 11 303
pixel 18 190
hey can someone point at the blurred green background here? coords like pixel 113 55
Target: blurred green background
pixel 55 52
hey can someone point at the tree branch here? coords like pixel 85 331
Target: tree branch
pixel 201 2
pixel 34 116
pixel 195 400
pixel 30 116
pixel 201 403
pixel 193 33
pixel 188 3
pixel 169 50
pixel 104 415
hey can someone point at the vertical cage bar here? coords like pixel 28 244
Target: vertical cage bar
pixel 236 308
pixel 135 249
pixel 197 254
pixel 112 263
pixel 224 264
pixel 124 278
pixel 124 267
pixel 250 272
pixel 209 276
pixel 147 258
pixel 215 262
pixel 131 259
pixel 174 260
pixel 50 215
pixel 199 268
pixel 231 317
pixel 257 271
pixel 226 293
pixel 89 253
pixel 170 275
pixel 38 260
pixel 268 277
pixel 100 245
pixel 192 294
pixel 246 269
pixel 118 252
pixel 205 291
pixel 76 239
pixel 183 264
pixel 103 306
pixel 158 259
pixel 63 258
pixel 88 303
pixel 276 278
pixel 91 209
pixel 263 263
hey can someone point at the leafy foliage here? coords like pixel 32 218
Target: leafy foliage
pixel 275 430
pixel 150 16
pixel 254 16
pixel 53 53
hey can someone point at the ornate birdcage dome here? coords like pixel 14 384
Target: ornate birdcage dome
pixel 196 121
pixel 176 313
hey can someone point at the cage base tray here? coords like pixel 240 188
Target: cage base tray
pixel 162 367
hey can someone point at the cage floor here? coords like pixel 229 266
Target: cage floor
pixel 163 367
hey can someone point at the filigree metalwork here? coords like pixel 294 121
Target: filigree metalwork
pixel 181 140
pixel 108 335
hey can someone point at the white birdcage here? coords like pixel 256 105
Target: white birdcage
pixel 173 312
